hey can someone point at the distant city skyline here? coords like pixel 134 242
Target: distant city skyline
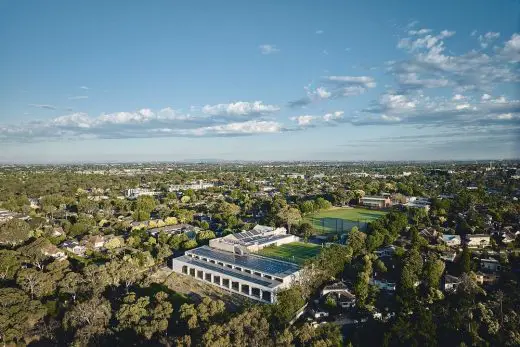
pixel 259 81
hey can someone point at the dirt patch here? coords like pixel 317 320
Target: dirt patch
pixel 196 290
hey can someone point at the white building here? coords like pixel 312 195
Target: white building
pixel 73 246
pixel 253 240
pixel 229 264
pixel 196 185
pixel 134 193
pixel 478 240
pixel 253 276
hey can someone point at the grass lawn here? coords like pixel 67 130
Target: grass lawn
pixel 295 252
pixel 338 220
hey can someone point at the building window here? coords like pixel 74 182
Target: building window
pixel 207 277
pixel 200 274
pixel 235 286
pixel 245 289
pixel 192 272
pixel 266 296
pixel 216 280
pixel 225 282
pixel 247 271
pixel 255 292
pixel 185 269
pixel 238 268
pixel 268 277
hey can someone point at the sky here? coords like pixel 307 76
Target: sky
pixel 121 81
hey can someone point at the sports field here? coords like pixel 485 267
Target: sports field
pixel 296 252
pixel 339 220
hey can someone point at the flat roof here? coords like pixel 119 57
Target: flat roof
pixel 258 263
pixel 262 281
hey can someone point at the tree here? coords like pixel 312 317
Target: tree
pixel 145 204
pixel 88 319
pixel 356 241
pixel 361 286
pixel 36 283
pixel 465 261
pixel 145 317
pixel 70 284
pixel 18 315
pixel 306 230
pixel 433 270
pixel 307 207
pixel 322 204
pixel 290 216
pixel 10 263
pixel 204 236
pixel 13 232
pixel 289 301
pixel 189 244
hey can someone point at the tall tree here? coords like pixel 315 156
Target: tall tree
pixel 18 315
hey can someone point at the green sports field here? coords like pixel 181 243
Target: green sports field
pixel 296 252
pixel 339 220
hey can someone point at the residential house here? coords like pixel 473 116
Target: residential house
pixel 57 232
pixel 385 252
pixel 73 246
pixel 51 250
pixel 451 283
pixel 175 229
pixel 478 240
pixel 490 264
pixel 448 256
pixel 485 278
pixel 451 240
pixel 94 241
pixel 341 293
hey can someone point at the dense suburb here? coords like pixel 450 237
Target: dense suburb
pixel 80 263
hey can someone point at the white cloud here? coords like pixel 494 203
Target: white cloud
pixel 320 92
pixel 334 116
pixel 240 108
pixel 485 97
pixel 79 97
pixel 511 50
pixel 364 81
pixel 337 87
pixel 424 111
pixel 458 97
pixel 486 39
pixel 84 87
pixel 268 49
pixel 304 120
pixel 429 66
pixel 44 106
pixel 239 128
pixel 319 32
pixel 419 32
pixel 507 116
pixel 412 24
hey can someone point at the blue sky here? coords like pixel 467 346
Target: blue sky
pixel 265 80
